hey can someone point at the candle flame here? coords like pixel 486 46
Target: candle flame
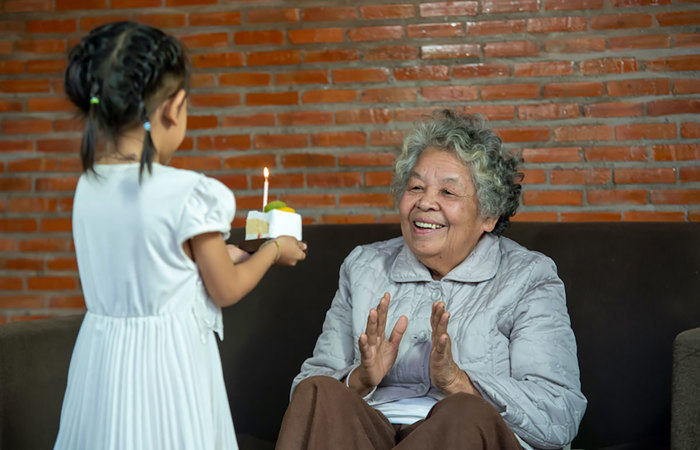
pixel 266 173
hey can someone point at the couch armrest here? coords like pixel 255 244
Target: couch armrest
pixel 34 360
pixel 685 393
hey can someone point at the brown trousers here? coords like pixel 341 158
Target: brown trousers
pixel 324 414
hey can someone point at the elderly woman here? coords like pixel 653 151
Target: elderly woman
pixel 481 353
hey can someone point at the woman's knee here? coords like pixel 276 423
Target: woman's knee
pixel 460 406
pixel 313 386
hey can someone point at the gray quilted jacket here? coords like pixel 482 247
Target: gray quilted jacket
pixel 509 327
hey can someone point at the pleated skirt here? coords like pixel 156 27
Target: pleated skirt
pixel 145 383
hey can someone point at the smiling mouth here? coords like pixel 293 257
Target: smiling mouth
pixel 427 226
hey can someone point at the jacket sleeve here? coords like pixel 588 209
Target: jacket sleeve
pixel 541 400
pixel 334 353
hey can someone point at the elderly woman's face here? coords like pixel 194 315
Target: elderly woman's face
pixel 439 212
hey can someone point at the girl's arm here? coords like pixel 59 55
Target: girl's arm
pixel 226 282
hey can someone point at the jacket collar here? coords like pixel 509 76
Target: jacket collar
pixel 481 264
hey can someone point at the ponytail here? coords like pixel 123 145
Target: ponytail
pixel 87 146
pixel 148 151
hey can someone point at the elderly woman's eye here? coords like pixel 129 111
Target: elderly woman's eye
pixel 415 188
pixel 448 193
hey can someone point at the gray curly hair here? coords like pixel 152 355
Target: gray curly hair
pixel 493 169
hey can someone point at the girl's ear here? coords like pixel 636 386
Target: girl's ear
pixel 172 107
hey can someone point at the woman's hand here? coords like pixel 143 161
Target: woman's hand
pixel 377 353
pixel 236 254
pixel 445 374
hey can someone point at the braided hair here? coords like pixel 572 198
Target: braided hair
pixel 117 76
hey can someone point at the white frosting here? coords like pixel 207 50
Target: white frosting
pixel 281 223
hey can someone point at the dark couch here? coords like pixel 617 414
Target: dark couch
pixel 631 289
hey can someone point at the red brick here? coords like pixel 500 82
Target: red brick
pixel 214 18
pixel 535 217
pixel 335 55
pixel 676 152
pixel 329 96
pixel 46 66
pixel 56 225
pixel 506 6
pixel 205 40
pixel 591 216
pixel 511 48
pixel 56 184
pixel 675 196
pixel 26 126
pixel 434 73
pixel 367 159
pixel 308 160
pixel 274 57
pixel 620 21
pixel 376 33
pixel 234 182
pixel 552 154
pixel 18 225
pixel 366 199
pixel 32 204
pixel 47 283
pixel 613 109
pixel 654 216
pixel 629 3
pixel 249 162
pixel 88 23
pixel 386 138
pixel 523 134
pixel 78 125
pixel 449 93
pixel 391 53
pixel 638 87
pixel 689 174
pixel 294 118
pixel 579 176
pixel 21 301
pixel 189 2
pixel 674 106
pixel 328 14
pixel 412 114
pixel 360 75
pixel 11 67
pixel 163 20
pixel 67 301
pixel 250 120
pixel 576 45
pixel 694 216
pixel 339 139
pixel 271 98
pixel 15 184
pixel 373 179
pixel 492 27
pixel 211 60
pixel 32 165
pixel 273 15
pixel 217 100
pixel 389 95
pixel 279 181
pixel 20 86
pixel 481 70
pixel 265 141
pixel 538 176
pixel 260 37
pixel 645 131
pixel 556 24
pixel 433 30
pixel 334 179
pixel 120 4
pixel 245 79
pixel 686 40
pixel 10 106
pixel 5 47
pixel 574 89
pixel 311 36
pixel 616 197
pixel 442 9
pixel 346 218
pixel 302 77
pixel 22 264
pixel 371 116
pixel 40 46
pixel 311 200
pixel 682 62
pixel 678 18
pixel 58 145
pixel 510 91
pixel 548 111
pixel 608 65
pixel 570 198
pixel 7 245
pixel 12 26
pixel 640 42
pixel 544 69
pixel 690 130
pixel 196 162
pixel 395 11
pixel 201 122
pixel 644 176
pixel 453 51
pixel 583 133
pixel 15 6
pixel 492 112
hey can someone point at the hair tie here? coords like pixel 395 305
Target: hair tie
pixel 147 126
pixel 94 100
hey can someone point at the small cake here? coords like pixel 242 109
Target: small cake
pixel 277 220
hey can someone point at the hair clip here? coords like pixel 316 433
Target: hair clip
pixel 94 100
pixel 147 126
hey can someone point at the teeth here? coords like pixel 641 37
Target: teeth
pixel 432 226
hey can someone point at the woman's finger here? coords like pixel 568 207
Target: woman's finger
pixel 382 311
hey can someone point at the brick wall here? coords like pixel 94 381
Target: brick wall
pixel 600 97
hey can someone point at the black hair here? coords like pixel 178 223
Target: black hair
pixel 117 75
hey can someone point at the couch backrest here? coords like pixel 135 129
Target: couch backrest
pixel 631 287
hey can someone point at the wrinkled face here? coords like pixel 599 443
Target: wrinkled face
pixel 439 212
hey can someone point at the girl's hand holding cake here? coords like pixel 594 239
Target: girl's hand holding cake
pixel 289 250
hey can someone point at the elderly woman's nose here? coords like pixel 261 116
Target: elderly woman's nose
pixel 427 199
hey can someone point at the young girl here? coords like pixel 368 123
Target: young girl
pixel 154 267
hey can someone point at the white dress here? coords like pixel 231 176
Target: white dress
pixel 146 371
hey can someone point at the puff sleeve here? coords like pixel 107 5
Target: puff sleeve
pixel 210 206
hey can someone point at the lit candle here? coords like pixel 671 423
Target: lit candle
pixel 266 173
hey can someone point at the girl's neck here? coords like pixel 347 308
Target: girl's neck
pixel 128 149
